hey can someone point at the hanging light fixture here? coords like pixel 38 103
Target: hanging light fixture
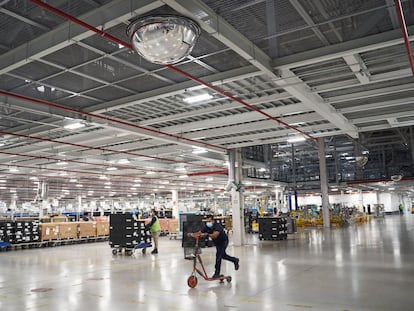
pixel 164 39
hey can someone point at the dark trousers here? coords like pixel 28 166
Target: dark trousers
pixel 221 254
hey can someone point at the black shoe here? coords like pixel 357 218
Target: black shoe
pixel 236 264
pixel 155 251
pixel 216 276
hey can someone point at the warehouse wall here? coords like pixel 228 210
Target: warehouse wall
pixel 390 200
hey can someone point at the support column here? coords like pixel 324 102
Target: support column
pixel 43 193
pixel 13 206
pixel 237 197
pixel 79 207
pixel 412 144
pixel 324 182
pixel 360 201
pixel 174 197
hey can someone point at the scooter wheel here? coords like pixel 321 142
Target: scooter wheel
pixel 228 279
pixel 192 281
pixel 114 252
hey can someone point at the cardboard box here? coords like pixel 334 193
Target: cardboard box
pixel 68 230
pixel 102 228
pixel 86 229
pixel 60 218
pixel 49 231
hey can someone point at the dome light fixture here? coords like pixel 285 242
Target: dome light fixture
pixel 165 39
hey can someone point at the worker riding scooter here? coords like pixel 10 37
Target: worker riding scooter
pixel 216 232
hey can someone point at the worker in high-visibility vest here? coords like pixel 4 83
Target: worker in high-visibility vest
pixel 155 228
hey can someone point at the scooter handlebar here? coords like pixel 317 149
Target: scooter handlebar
pixel 197 235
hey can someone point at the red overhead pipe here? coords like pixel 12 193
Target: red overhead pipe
pixel 101 149
pixel 403 25
pixel 150 180
pixel 186 74
pixel 45 103
pixel 251 107
pixel 208 173
pixel 81 23
pixel 79 162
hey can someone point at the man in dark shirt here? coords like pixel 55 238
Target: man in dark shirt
pixel 216 232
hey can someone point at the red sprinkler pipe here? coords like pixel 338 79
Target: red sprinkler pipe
pixel 49 104
pixel 251 107
pixel 403 25
pixel 222 172
pixel 186 74
pixel 82 162
pixel 101 149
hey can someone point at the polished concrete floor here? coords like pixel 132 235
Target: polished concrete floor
pixel 362 267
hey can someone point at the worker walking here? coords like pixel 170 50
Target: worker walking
pixel 155 228
pixel 216 232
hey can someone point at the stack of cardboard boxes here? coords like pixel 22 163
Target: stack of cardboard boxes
pixel 73 230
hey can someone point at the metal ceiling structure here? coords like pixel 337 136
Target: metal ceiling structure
pixel 275 68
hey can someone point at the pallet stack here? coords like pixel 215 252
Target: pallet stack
pixel 127 232
pixel 272 228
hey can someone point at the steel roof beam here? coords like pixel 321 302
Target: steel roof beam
pixel 358 67
pixel 171 90
pixel 361 45
pixel 217 27
pixel 308 20
pixel 109 15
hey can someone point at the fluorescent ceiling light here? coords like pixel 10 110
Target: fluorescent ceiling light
pixel 111 168
pixel 61 163
pixel 197 98
pixel 123 161
pixel 296 139
pixel 199 150
pixel 74 126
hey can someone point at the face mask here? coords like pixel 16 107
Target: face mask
pixel 209 224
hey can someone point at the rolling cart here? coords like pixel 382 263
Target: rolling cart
pixel 129 250
pixel 193 253
pixel 126 234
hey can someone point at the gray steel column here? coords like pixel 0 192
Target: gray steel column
pixel 412 144
pixel 237 197
pixel 174 199
pixel 324 182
